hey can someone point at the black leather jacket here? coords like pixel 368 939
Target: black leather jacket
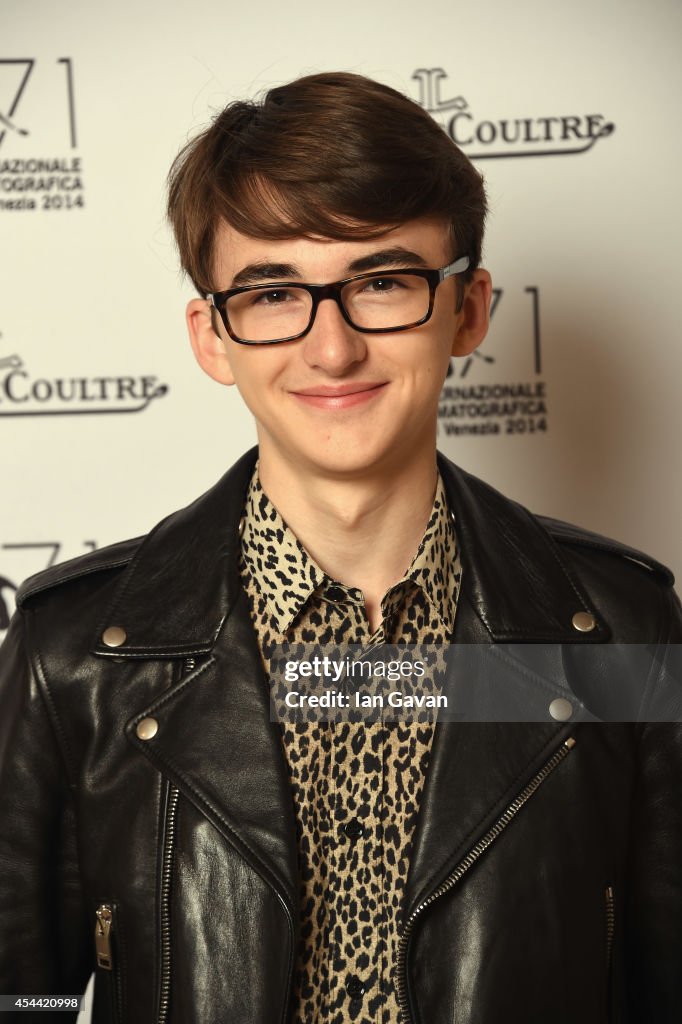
pixel 545 876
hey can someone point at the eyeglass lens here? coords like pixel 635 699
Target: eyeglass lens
pixel 387 302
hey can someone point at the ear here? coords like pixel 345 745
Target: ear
pixel 474 317
pixel 210 348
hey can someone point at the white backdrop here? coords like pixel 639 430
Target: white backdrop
pixel 92 297
pixel 107 424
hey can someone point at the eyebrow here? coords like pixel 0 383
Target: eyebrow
pixel 396 256
pixel 253 273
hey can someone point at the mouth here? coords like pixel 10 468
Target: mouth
pixel 341 396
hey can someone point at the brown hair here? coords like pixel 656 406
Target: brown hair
pixel 332 154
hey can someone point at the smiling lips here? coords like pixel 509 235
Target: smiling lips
pixel 343 396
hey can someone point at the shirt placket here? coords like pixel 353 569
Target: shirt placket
pixel 349 789
pixel 356 977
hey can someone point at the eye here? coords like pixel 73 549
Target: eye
pixel 383 284
pixel 272 296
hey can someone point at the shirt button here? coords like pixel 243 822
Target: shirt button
pixel 354 829
pixel 334 594
pixel 355 988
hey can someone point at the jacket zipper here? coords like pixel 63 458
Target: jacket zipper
pixel 467 862
pixel 610 921
pixel 188 666
pixel 166 871
pixel 105 927
pixel 610 929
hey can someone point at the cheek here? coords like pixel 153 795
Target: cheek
pixel 256 372
pixel 435 351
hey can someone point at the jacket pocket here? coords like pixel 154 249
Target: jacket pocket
pixel 108 1000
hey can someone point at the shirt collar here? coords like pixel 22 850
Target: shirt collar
pixel 436 566
pixel 287 575
pixel 285 572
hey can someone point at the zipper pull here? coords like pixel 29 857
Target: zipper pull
pixel 105 918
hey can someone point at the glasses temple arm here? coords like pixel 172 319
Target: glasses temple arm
pixel 458 267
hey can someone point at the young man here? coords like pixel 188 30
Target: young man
pixel 212 865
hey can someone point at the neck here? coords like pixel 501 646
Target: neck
pixel 363 530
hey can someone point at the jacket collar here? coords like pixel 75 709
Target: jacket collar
pixel 183 581
pixel 513 571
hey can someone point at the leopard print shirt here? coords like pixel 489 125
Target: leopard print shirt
pixel 356 786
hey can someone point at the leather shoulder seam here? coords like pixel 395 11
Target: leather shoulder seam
pixel 112 557
pixel 566 534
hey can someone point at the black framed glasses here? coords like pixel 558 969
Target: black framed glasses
pixel 381 302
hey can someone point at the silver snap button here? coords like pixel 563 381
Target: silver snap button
pixel 147 728
pixel 242 524
pixel 561 709
pixel 584 622
pixel 114 636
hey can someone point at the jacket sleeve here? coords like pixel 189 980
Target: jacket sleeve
pixel 44 943
pixel 653 910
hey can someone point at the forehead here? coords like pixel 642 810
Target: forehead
pixel 320 258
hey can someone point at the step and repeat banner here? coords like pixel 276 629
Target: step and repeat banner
pixel 570 406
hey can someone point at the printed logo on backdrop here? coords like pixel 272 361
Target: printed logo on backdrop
pixel 487 138
pixel 40 167
pixel 474 402
pixel 22 559
pixel 23 393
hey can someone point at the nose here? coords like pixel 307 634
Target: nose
pixel 332 344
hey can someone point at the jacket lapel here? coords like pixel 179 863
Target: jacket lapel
pixel 216 743
pixel 513 576
pixel 476 771
pixel 184 579
pixel 181 597
pixel 515 589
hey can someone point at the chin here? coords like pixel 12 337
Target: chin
pixel 345 461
